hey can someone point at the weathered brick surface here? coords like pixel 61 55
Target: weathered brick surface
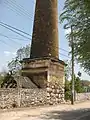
pixel 45 30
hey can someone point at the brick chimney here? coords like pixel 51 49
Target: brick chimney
pixel 45 30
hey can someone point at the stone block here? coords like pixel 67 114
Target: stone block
pixel 49 89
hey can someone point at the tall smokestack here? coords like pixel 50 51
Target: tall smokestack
pixel 45 30
pixel 47 71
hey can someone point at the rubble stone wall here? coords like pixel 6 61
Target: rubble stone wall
pixel 53 94
pixel 10 98
pixel 82 96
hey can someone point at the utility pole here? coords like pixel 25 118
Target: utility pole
pixel 72 46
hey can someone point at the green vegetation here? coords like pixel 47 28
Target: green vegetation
pixel 76 14
pixel 14 65
pixel 7 80
pixel 81 86
pixel 1 79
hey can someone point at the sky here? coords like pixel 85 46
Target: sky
pixel 20 14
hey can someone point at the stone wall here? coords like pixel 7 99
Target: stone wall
pixel 82 96
pixel 10 98
pixel 53 94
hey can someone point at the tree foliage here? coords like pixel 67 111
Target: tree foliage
pixel 67 90
pixel 67 70
pixel 14 64
pixel 78 86
pixel 81 86
pixel 76 13
pixel 8 81
pixel 1 79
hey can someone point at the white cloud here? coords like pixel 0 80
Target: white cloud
pixel 8 53
pixel 14 53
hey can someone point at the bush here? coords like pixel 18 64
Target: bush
pixel 67 95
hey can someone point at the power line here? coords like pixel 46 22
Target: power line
pixel 64 50
pixel 25 33
pixel 17 8
pixel 9 38
pixel 14 10
pixel 14 31
pixel 20 7
pixel 15 38
pixel 64 55
pixel 23 39
pixel 12 47
pixel 15 28
pixel 6 43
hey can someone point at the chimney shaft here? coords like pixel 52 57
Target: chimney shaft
pixel 45 30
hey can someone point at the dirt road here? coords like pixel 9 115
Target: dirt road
pixel 60 112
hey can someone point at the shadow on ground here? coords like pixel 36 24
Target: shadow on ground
pixel 67 115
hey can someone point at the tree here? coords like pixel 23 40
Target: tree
pixel 86 85
pixel 67 90
pixel 67 82
pixel 1 79
pixel 8 81
pixel 2 75
pixel 77 14
pixel 23 52
pixel 15 65
pixel 78 86
pixel 68 68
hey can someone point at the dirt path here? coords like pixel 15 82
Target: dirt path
pixel 45 113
